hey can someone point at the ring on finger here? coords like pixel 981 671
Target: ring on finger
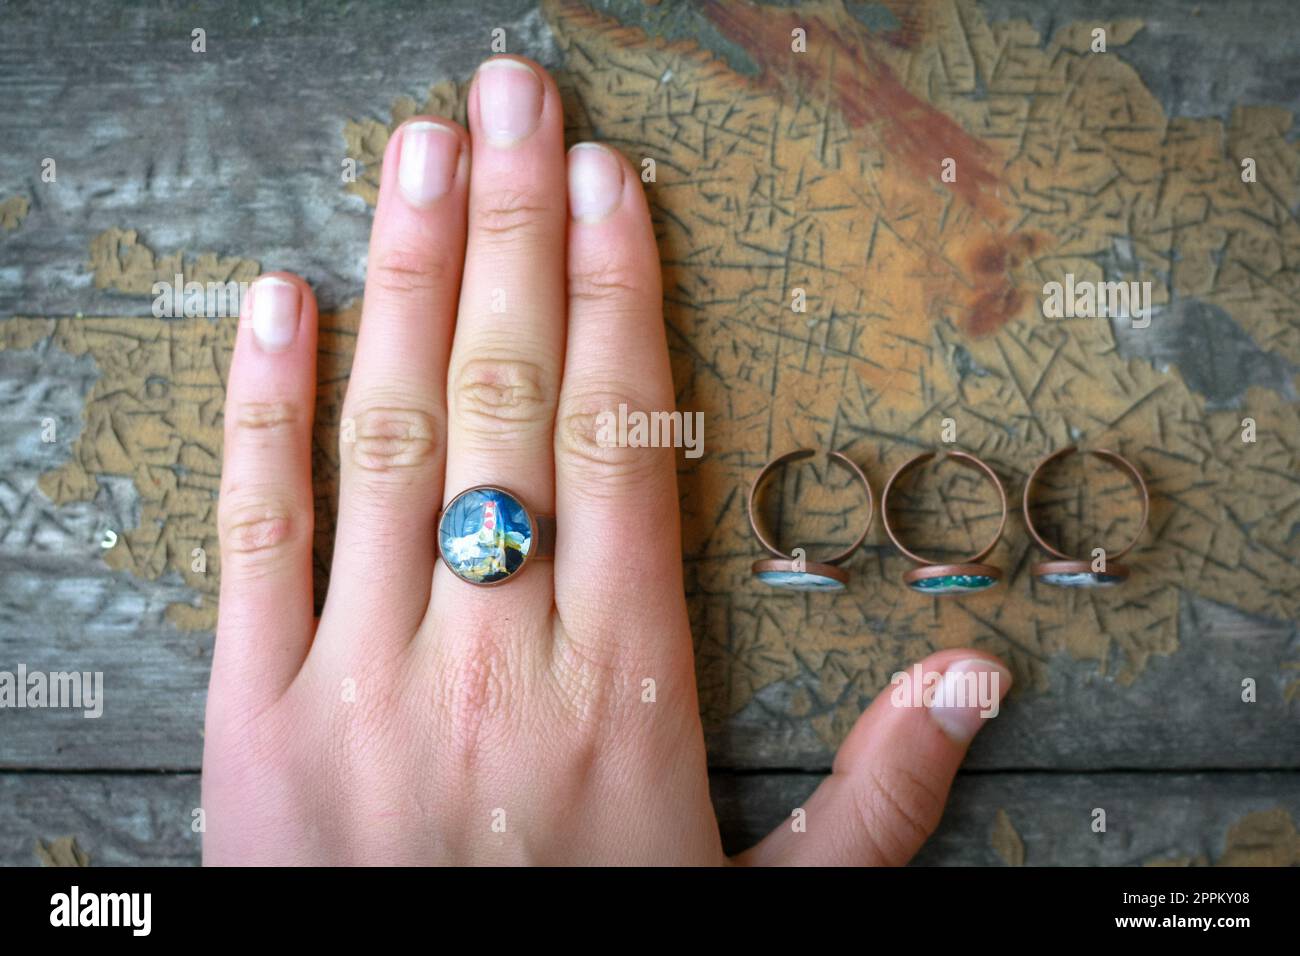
pixel 486 536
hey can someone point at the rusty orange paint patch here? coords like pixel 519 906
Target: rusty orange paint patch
pixel 991 263
pixel 851 66
pixel 865 90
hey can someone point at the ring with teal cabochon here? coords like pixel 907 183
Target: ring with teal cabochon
pixel 790 573
pixel 1070 572
pixel 968 576
pixel 487 536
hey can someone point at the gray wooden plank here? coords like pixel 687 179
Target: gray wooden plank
pixel 1150 818
pixel 135 819
pixel 118 819
pixel 237 149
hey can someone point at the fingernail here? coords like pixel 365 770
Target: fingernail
pixel 595 182
pixel 275 313
pixel 509 100
pixel 429 156
pixel 968 695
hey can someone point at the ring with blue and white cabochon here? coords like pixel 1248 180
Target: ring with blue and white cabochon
pixel 1066 571
pixel 486 535
pixel 968 576
pixel 1080 574
pixel 785 571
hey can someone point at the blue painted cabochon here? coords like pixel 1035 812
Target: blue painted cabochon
pixel 953 584
pixel 464 516
pixel 1081 579
pixel 799 581
pixel 480 555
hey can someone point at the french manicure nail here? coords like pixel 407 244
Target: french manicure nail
pixel 430 153
pixel 275 313
pixel 969 694
pixel 509 100
pixel 595 182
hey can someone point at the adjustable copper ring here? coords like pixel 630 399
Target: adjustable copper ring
pixel 797 573
pixel 934 577
pixel 1068 572
pixel 486 536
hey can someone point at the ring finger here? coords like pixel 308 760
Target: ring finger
pixel 508 349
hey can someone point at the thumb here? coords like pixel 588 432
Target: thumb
pixel 890 780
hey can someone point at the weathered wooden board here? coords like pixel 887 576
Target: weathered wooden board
pixel 119 820
pixel 768 179
pixel 1239 818
pixel 239 149
pixel 1225 818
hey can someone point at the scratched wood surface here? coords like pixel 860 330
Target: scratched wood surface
pixel 1046 819
pixel 818 174
pixel 993 819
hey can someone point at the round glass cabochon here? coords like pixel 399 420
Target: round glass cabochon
pixel 1081 579
pixel 953 584
pixel 485 535
pixel 799 581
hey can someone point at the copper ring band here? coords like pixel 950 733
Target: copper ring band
pixel 768 543
pixel 962 458
pixel 545 550
pixel 1113 458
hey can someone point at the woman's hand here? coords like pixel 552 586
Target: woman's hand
pixel 513 294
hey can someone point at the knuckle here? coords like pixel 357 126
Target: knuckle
pixel 402 273
pixel 477 704
pixel 609 284
pixel 587 441
pixel 264 417
pixel 598 682
pixel 502 397
pixel 593 677
pixel 257 526
pixel 373 704
pixel 509 214
pixel 388 438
